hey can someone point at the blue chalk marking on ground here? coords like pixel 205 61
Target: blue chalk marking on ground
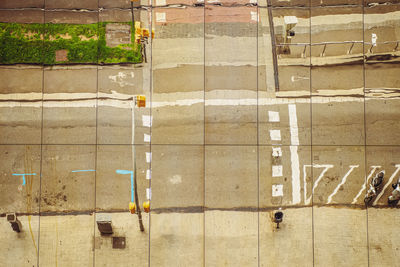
pixel 84 171
pixel 132 189
pixel 23 176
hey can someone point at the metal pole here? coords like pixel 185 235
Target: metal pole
pixel 136 195
pixel 134 168
pixel 133 17
pixel 274 56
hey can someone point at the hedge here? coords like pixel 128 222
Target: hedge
pixel 37 44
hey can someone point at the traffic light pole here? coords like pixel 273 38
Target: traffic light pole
pixel 136 194
pixel 134 167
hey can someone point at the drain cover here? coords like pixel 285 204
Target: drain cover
pixel 118 242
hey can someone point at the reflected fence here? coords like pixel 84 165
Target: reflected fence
pixel 284 47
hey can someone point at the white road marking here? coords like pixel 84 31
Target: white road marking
pixel 273 116
pixel 294 156
pixel 276 152
pixel 298 78
pixel 161 17
pixel 327 167
pixel 148 157
pixel 254 15
pixel 277 171
pixel 161 2
pixel 176 179
pixel 352 167
pixel 146 138
pixel 305 181
pixel 63 100
pixel 296 188
pixel 148 174
pixel 387 184
pixel 277 190
pixel 294 129
pixel 275 135
pixel 365 183
pixel 374 37
pixel 120 79
pixel 147 120
pixel 148 193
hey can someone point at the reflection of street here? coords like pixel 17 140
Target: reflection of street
pixel 222 148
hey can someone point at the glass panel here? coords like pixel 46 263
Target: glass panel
pixel 298 238
pixel 20 181
pixel 21 3
pixel 113 195
pixel 71 4
pixel 380 219
pixel 66 240
pixel 231 203
pixel 120 4
pixel 15 245
pixel 122 80
pixel 68 178
pixel 178 76
pixel 335 2
pixel 337 76
pixel 231 74
pixel 177 221
pixel 21 86
pixel 68 185
pixel 383 2
pixel 235 89
pixel 69 112
pixel 284 76
pixel 338 175
pixel 113 190
pixel 123 118
pixel 135 251
pixel 277 167
pixel 21 108
pixel 285 186
pixel 280 3
pixel 159 3
pixel 20 193
pixel 382 72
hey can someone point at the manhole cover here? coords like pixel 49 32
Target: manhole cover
pixel 118 242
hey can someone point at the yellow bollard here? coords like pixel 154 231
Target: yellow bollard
pixel 141 101
pixel 146 206
pixel 132 207
pixel 145 33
